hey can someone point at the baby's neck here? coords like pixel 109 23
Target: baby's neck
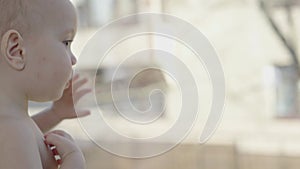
pixel 13 104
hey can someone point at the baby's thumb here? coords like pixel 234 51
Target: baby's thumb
pixel 63 145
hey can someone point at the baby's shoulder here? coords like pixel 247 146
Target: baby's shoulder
pixel 13 131
pixel 18 143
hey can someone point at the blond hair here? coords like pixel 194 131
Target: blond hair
pixel 13 14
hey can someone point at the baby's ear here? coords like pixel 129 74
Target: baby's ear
pixel 13 50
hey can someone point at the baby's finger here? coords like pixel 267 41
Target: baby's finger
pixel 75 77
pixel 56 155
pixel 62 144
pixel 80 94
pixel 80 83
pixel 54 151
pixel 61 133
pixel 83 113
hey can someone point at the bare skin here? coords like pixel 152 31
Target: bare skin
pixel 64 107
pixel 38 66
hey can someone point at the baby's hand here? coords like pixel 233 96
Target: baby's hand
pixel 70 154
pixel 64 107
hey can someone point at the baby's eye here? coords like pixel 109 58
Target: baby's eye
pixel 68 42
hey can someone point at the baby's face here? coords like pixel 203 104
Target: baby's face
pixel 50 59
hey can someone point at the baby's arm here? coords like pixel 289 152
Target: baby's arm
pixel 46 119
pixel 70 153
pixel 64 107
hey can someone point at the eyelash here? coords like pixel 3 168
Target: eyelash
pixel 68 42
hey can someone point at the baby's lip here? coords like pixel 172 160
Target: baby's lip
pixel 71 76
pixel 67 84
pixel 69 81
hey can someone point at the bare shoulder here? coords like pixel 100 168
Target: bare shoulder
pixel 18 143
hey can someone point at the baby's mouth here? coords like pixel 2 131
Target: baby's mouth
pixel 69 81
pixel 67 85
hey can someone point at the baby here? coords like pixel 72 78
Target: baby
pixel 36 64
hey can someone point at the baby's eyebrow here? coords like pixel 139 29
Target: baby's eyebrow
pixel 70 32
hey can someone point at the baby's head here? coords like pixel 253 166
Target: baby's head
pixel 35 56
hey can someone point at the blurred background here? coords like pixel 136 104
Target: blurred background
pixel 258 46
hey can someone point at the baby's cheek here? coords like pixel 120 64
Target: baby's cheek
pixel 63 71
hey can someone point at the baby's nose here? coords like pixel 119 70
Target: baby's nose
pixel 73 60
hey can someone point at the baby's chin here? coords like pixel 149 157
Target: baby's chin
pixel 50 94
pixel 67 85
pixel 46 98
pixel 59 93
